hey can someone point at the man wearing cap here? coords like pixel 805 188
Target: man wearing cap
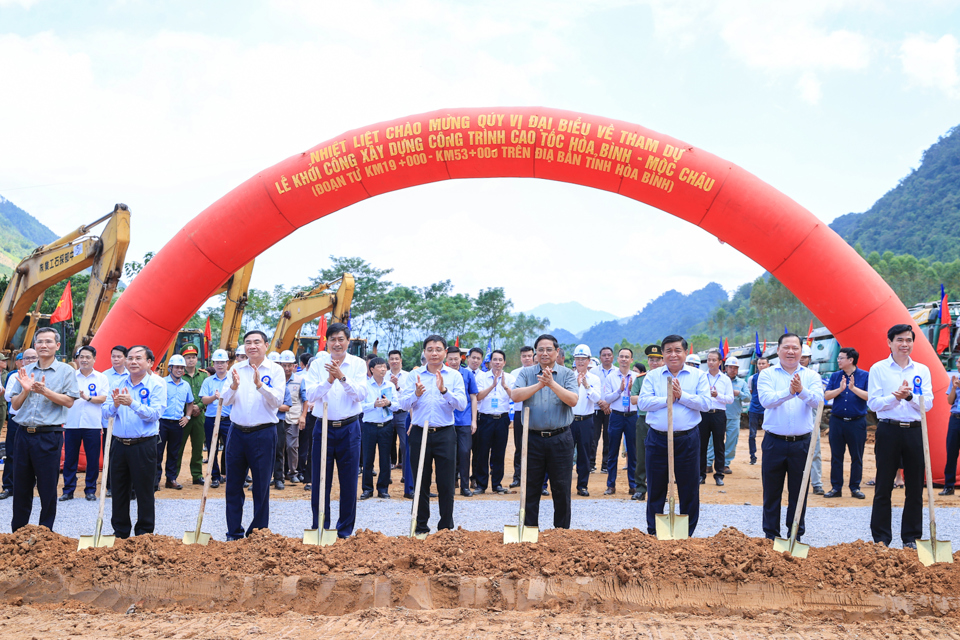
pixel 194 430
pixel 654 361
pixel 255 393
pixel 465 420
pixel 714 422
pixel 790 393
pixel 816 468
pixel 623 420
pixel 493 424
pixel 211 390
pixel 136 406
pixel 179 400
pixel 691 396
pixel 338 379
pixel 550 392
pixel 602 424
pixel 83 426
pixel 29 356
pixel 584 415
pixel 848 422
pixel 377 428
pixel 291 419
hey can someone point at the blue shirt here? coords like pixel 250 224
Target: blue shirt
pixel 209 386
pixel 695 397
pixel 956 403
pixel 433 406
pixel 788 414
pixel 375 391
pixel 177 396
pixel 464 417
pixel 287 400
pixel 755 406
pixel 113 379
pixel 847 404
pixel 735 408
pixel 142 417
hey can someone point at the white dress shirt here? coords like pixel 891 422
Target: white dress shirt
pixel 695 397
pixel 395 407
pixel 619 401
pixel 433 406
pixel 720 382
pixel 886 377
pixel 374 414
pixel 250 406
pixel 8 391
pixel 497 401
pixel 587 396
pixel 786 413
pixel 517 406
pixel 343 399
pixel 85 414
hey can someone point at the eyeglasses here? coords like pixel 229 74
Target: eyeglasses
pixel 44 342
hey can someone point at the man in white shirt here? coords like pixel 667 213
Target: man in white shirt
pixel 714 422
pixel 584 414
pixel 623 420
pixel 401 420
pixel 788 392
pixel 493 424
pixel 527 359
pixel 892 394
pixel 29 356
pixel 602 423
pixel 83 426
pixel 376 429
pixel 691 395
pixel 339 379
pixel 255 394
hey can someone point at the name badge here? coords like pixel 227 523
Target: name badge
pixel 626 402
pixel 495 403
pixel 92 388
pixel 145 397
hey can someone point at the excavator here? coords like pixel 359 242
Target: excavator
pixel 58 260
pixel 308 305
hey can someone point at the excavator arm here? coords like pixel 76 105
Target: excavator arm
pixel 105 275
pixel 308 305
pixel 236 289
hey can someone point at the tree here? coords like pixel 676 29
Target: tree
pixel 370 285
pixel 132 268
pixel 492 312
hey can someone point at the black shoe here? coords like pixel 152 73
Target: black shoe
pixel 947 491
pixel 603 470
pixel 249 479
pixel 292 479
pixel 6 494
pixel 818 491
pixel 466 493
pixel 856 493
pixel 433 495
pixel 726 471
pixel 499 489
pixel 109 493
pixel 719 481
pixel 703 480
pixel 383 494
pixel 366 494
pixel 910 545
pixel 479 492
pixel 90 497
pixel 583 492
pixel 65 497
pixel 198 481
pixel 833 493
pixel 307 486
pixel 639 495
pixel 214 484
pixel 513 485
pixel 709 469
pixel 473 483
pixel 593 469
pixel 408 496
pixel 753 460
pixel 173 484
pixel 544 493
pixel 278 485
pixel 374 472
pixel 609 491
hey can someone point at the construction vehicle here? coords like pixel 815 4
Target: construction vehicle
pixel 311 345
pixel 927 315
pixel 57 261
pixel 308 305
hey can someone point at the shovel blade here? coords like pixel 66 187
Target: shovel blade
pixel 512 533
pixel 106 541
pixel 679 529
pixel 782 545
pixel 530 534
pixel 420 536
pixel 929 553
pixel 191 537
pixel 319 537
pixel 86 542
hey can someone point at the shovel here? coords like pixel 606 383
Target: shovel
pixel 792 547
pixel 519 532
pixel 321 537
pixel 416 489
pixel 932 550
pixel 198 537
pixel 671 526
pixel 97 540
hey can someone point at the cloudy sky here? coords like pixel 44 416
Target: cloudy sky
pixel 168 106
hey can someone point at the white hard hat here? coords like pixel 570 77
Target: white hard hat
pixel 273 356
pixel 176 360
pixel 806 351
pixel 220 355
pixel 582 351
pixel 288 357
pixel 693 360
pixel 732 361
pixel 240 351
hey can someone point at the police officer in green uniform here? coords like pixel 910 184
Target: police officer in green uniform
pixel 193 431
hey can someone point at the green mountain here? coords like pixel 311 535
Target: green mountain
pixel 20 233
pixel 921 215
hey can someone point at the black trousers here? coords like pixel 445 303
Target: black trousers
pixel 517 445
pixel 894 443
pixel 306 446
pixel 465 442
pixel 847 435
pixel 373 440
pixel 551 456
pixel 600 430
pixel 641 473
pixel 582 439
pixel 491 448
pixel 11 441
pixel 132 468
pixel 281 447
pixel 953 451
pixel 442 452
pixel 170 435
pixel 36 463
pixel 755 422
pixel 715 424
pixel 686 471
pixel 782 459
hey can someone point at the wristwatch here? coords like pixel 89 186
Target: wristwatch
pixel 343 378
pixel 909 397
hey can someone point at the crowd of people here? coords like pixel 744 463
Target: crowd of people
pixel 271 406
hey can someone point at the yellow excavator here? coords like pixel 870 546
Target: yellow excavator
pixel 308 305
pixel 58 260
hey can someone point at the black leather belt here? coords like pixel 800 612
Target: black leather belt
pixel 789 438
pixel 256 427
pixel 43 428
pixel 903 425
pixel 378 424
pixel 713 411
pixel 549 433
pixel 626 414
pixel 132 441
pixel 849 419
pixel 575 418
pixel 494 416
pixel 342 423
pixel 174 420
pixel 434 429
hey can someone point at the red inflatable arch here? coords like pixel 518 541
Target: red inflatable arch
pixel 528 142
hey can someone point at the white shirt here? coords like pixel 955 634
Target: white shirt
pixel 517 406
pixel 375 391
pixel 587 396
pixel 395 407
pixel 497 401
pixel 720 382
pixel 343 398
pixel 252 406
pixel 84 414
pixel 686 411
pixel 432 406
pixel 786 413
pixel 619 401
pixel 8 391
pixel 886 377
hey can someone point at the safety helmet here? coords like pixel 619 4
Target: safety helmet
pixel 220 355
pixel 693 360
pixel 806 351
pixel 273 356
pixel 732 361
pixel 287 357
pixel 582 351
pixel 241 350
pixel 176 360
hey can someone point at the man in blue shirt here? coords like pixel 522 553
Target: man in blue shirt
pixel 953 438
pixel 211 390
pixel 755 411
pixel 465 421
pixel 848 421
pixel 136 406
pixel 172 421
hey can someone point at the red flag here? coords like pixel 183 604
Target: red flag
pixel 322 334
pixel 726 348
pixel 209 337
pixel 457 343
pixel 943 342
pixel 64 310
pixel 810 335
